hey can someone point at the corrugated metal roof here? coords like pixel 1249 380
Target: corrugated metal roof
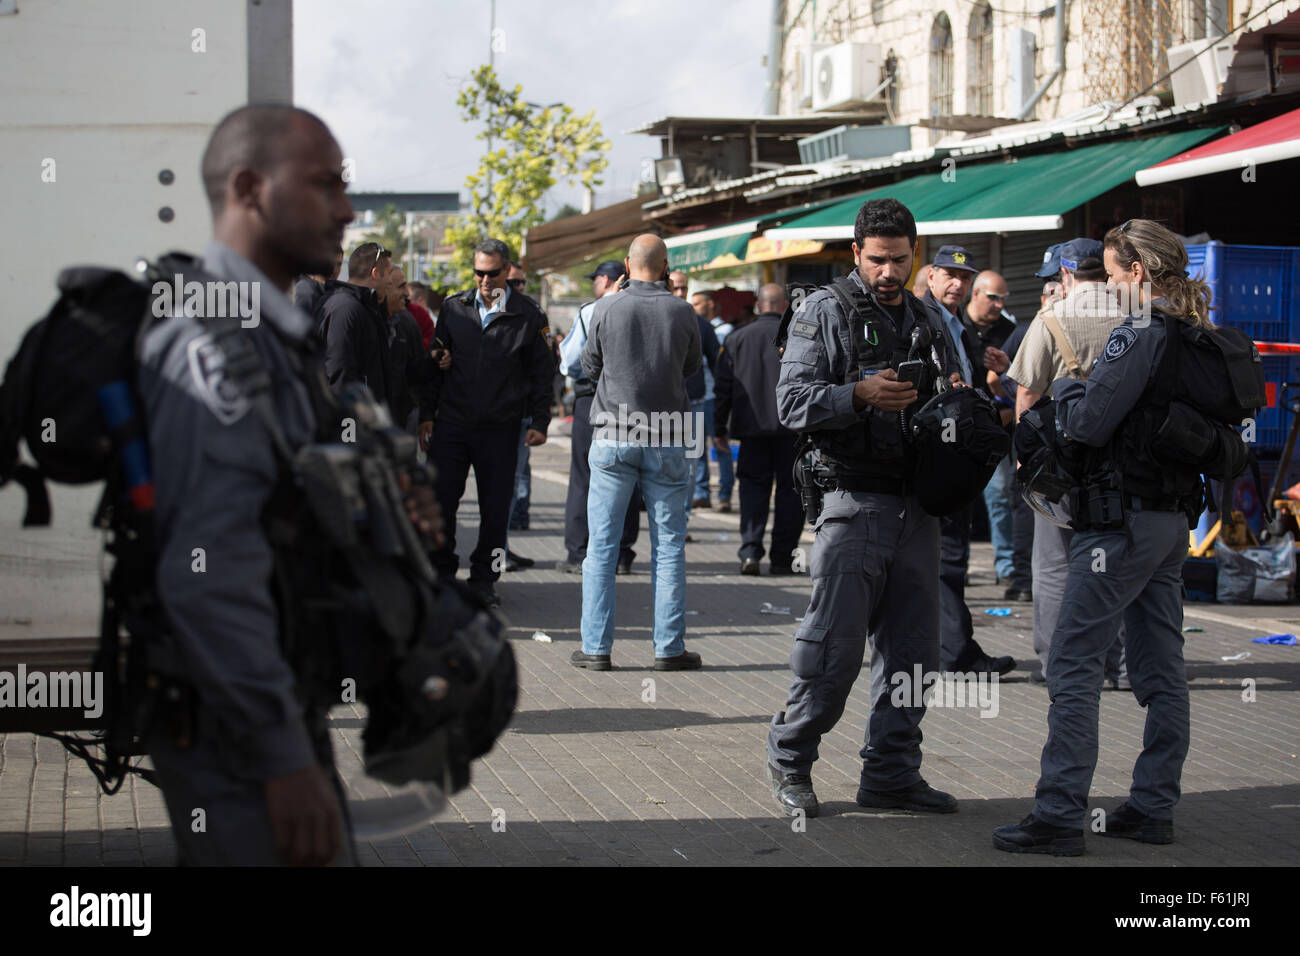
pixel 1093 121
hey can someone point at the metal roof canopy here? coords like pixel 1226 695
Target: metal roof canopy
pixel 799 125
pixel 1030 194
pixel 564 242
pixel 1267 142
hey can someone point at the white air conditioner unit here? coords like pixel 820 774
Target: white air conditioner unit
pixel 806 57
pixel 845 75
pixel 1195 82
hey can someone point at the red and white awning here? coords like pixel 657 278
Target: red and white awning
pixel 1267 142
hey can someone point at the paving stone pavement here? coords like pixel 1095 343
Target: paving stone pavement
pixel 637 767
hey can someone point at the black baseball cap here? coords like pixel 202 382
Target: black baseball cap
pixel 610 269
pixel 953 257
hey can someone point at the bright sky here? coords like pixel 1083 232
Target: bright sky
pixel 386 78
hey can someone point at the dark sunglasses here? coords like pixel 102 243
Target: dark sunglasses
pixel 516 283
pixel 488 273
pixel 379 255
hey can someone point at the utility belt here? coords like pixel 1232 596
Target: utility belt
pixel 871 484
pixel 1098 507
pixel 583 387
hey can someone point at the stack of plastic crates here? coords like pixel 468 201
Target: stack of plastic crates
pixel 1257 289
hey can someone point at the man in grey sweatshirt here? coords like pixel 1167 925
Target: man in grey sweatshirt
pixel 642 345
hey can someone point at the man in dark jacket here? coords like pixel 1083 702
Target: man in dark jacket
pixel 415 377
pixel 500 374
pixel 354 323
pixel 748 368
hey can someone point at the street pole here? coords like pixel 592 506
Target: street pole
pixel 410 246
pixel 492 60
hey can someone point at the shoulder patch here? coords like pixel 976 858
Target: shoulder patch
pixel 208 369
pixel 1121 340
pixel 804 328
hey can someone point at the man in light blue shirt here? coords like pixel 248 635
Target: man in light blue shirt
pixel 486 311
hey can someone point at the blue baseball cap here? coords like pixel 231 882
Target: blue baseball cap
pixel 953 257
pixel 610 269
pixel 1076 250
pixel 1051 262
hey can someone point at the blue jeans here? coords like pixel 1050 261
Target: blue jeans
pixel 664 476
pixel 523 479
pixel 997 499
pixel 726 467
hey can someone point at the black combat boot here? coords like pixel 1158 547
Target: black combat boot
pixel 920 797
pixel 794 792
pixel 1032 835
pixel 1125 821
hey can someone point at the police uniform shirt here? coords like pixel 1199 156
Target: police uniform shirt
pixel 812 393
pixel 1087 316
pixel 1093 410
pixel 571 347
pixel 214 469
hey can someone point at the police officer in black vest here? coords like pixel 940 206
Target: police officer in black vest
pixel 875 563
pixel 1127 560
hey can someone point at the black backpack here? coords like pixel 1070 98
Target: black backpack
pixel 75 372
pixel 70 395
pixel 81 354
pixel 1211 382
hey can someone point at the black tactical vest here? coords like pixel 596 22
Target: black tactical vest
pixel 1133 467
pixel 878 449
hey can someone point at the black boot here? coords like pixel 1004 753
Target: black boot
pixel 1032 835
pixel 1124 821
pixel 794 792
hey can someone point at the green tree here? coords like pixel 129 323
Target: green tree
pixel 531 148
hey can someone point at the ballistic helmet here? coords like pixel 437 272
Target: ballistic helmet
pixel 959 441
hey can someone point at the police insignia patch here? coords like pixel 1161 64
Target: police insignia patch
pixel 1120 341
pixel 208 369
pixel 804 328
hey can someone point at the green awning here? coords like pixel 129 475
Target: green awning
pixel 695 250
pixel 1031 193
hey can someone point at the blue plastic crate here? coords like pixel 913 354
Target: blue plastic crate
pixel 1274 421
pixel 1255 288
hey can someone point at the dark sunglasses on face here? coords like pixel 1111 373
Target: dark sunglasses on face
pixel 516 283
pixel 488 273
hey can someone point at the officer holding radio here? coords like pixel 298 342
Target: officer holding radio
pixel 1132 510
pixel 861 356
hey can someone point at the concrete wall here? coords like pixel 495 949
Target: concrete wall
pixel 99 99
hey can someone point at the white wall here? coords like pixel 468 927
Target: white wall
pixel 112 92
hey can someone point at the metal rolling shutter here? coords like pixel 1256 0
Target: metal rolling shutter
pixel 1022 255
